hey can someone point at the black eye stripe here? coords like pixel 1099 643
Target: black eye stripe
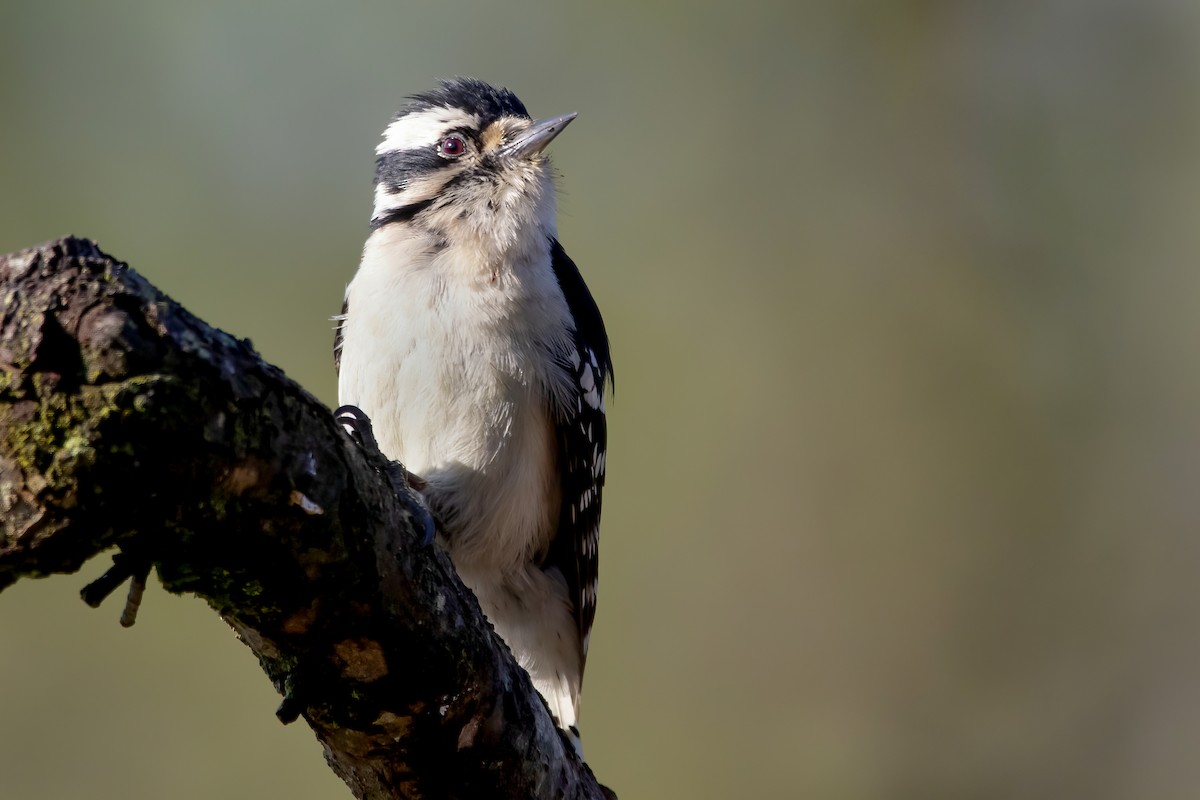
pixel 393 168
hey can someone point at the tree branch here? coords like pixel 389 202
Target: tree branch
pixel 126 421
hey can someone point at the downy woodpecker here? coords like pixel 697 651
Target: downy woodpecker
pixel 471 341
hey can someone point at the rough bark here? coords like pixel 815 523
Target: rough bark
pixel 125 421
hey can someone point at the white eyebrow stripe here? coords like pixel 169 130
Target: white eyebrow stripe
pixel 422 128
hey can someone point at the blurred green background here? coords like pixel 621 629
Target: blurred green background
pixel 904 305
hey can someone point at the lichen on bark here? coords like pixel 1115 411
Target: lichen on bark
pixel 125 421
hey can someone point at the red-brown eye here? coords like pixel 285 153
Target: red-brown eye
pixel 452 146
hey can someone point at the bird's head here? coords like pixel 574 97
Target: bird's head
pixel 466 163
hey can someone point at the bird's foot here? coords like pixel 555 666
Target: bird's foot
pixel 407 485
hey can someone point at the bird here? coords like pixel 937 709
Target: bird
pixel 470 340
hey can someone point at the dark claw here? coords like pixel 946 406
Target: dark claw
pixel 416 507
pixel 358 427
pixel 430 528
pixel 125 567
pixel 406 485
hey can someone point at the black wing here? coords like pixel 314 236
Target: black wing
pixel 582 442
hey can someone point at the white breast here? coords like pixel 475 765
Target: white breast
pixel 448 359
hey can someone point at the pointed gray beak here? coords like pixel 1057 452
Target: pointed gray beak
pixel 535 139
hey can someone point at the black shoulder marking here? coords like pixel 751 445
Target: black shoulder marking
pixel 469 94
pixel 589 325
pixel 340 322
